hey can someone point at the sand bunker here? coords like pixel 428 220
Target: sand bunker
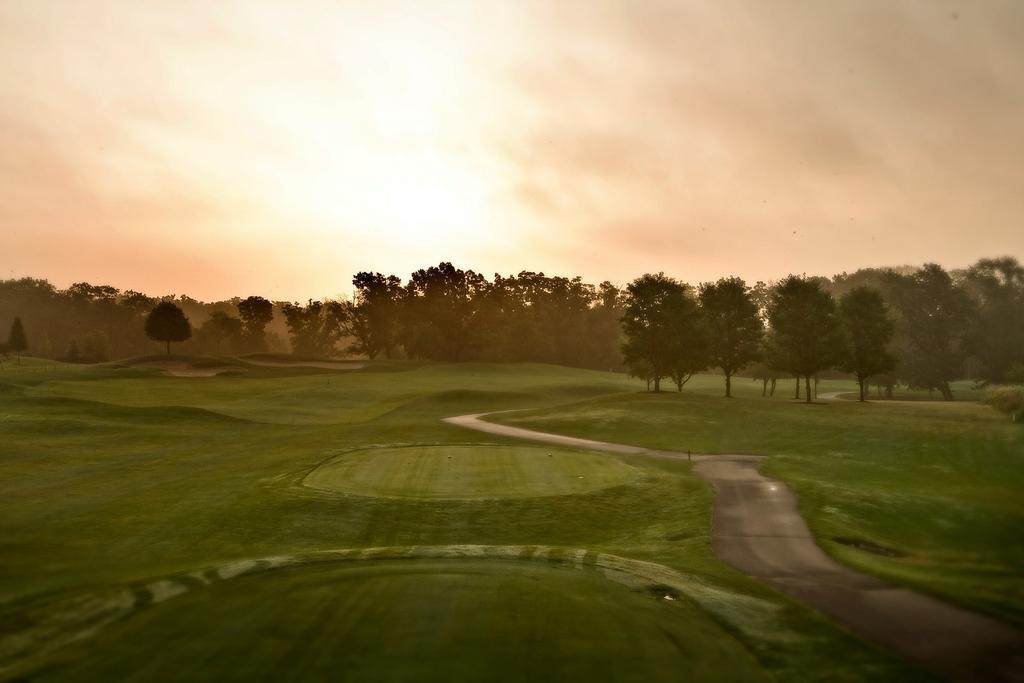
pixel 180 368
pixel 322 364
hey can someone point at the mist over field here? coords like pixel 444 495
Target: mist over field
pixel 511 341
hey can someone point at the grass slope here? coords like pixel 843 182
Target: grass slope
pixel 417 620
pixel 111 478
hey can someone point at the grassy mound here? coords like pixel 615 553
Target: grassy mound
pixel 416 620
pixel 438 472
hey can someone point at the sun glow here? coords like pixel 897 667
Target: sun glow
pixel 388 159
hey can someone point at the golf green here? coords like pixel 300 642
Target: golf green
pixel 439 472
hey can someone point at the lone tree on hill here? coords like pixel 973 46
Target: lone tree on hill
pixel 17 342
pixel 733 323
pixel 255 313
pixel 805 330
pixel 167 323
pixel 651 321
pixel 865 319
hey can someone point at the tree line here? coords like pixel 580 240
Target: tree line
pixel 922 327
pixel 440 313
pixel 93 323
pixel 445 313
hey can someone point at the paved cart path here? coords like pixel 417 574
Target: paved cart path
pixel 757 529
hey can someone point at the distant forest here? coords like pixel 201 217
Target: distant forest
pixel 920 326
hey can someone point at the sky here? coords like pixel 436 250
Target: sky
pixel 276 148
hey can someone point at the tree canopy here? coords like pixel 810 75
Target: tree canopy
pixel 868 330
pixel 733 324
pixel 255 313
pixel 655 318
pixel 934 318
pixel 806 334
pixel 167 323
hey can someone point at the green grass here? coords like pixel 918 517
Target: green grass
pixel 417 620
pixel 936 482
pixel 116 478
pixel 439 472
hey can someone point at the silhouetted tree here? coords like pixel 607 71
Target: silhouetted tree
pixel 689 342
pixel 934 316
pixel 220 328
pixel 733 323
pixel 255 313
pixel 650 320
pixel 996 336
pixel 372 318
pixel 805 331
pixel 868 329
pixel 603 336
pixel 167 323
pixel 441 313
pixel 17 341
pixel 313 328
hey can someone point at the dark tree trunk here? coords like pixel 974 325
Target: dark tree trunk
pixel 807 388
pixel 728 385
pixel 772 393
pixel 657 385
pixel 764 387
pixel 798 387
pixel 860 382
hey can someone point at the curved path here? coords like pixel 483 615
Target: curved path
pixel 757 529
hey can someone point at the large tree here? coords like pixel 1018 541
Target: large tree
pixel 441 313
pixel 371 319
pixel 690 342
pixel 806 334
pixel 934 318
pixel 996 335
pixel 733 324
pixel 17 341
pixel 167 323
pixel 868 330
pixel 656 310
pixel 313 328
pixel 255 313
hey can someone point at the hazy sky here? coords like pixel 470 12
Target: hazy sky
pixel 222 148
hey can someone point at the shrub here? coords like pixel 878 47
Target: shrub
pixel 1009 400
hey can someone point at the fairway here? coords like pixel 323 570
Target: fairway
pixel 124 487
pixel 469 472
